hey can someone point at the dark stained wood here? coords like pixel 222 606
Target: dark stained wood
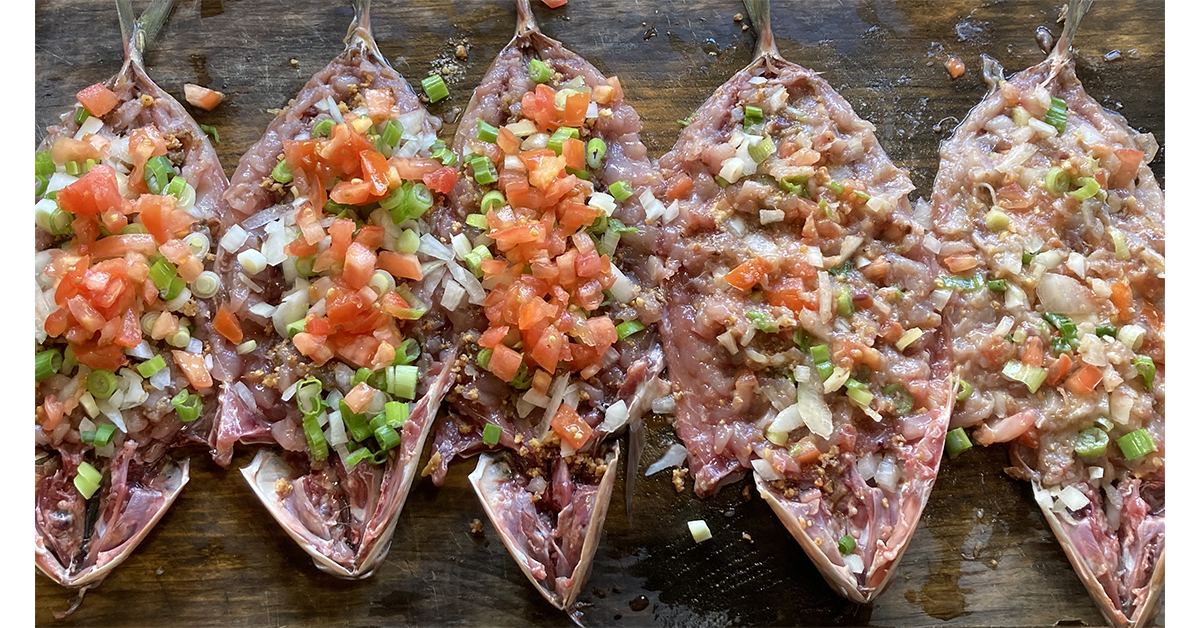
pixel 982 555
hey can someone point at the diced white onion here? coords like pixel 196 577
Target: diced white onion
pixel 727 341
pixel 234 238
pixel 161 379
pixel 675 456
pixel 887 475
pixel 60 180
pixel 672 212
pixel 654 207
pixel 524 128
pixel 252 261
pixel 699 530
pixel 769 216
pixel 461 244
pixel 939 298
pixel 615 417
pixel 1095 473
pixel 854 563
pixel 932 244
pixel 1042 129
pixel 142 351
pixel 557 389
pixel 263 309
pixel 604 202
pixel 452 294
pixel 247 347
pixel 867 464
pixel 179 301
pixel 1073 498
pixel 194 346
pixel 909 337
pixel 837 379
pixel 732 169
pixel 1131 336
pixel 1004 326
pixel 90 126
pixel 663 405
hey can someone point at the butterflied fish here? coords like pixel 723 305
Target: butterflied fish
pixel 335 362
pixel 127 191
pixel 798 329
pixel 551 213
pixel 1046 197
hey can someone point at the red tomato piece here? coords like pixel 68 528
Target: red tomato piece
pixel 202 97
pixel 121 245
pixel 379 104
pixel 360 397
pixel 493 336
pixel 570 427
pixel 194 369
pixel 109 357
pixel 314 347
pixel 679 186
pixel 1084 380
pixel 573 152
pixel 548 350
pixel 507 141
pixel 441 180
pixel 341 151
pixel 375 172
pixel 748 273
pixel 227 325
pixel 70 149
pixel 414 168
pixel 575 109
pixel 97 99
pixel 360 265
pixel 94 193
pixel 504 363
pixel 352 192
pixel 400 265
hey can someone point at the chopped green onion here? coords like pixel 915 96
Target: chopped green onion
pixel 1120 247
pixel 523 379
pixel 102 383
pixel 396 413
pixel 1088 188
pixel 820 353
pixel 596 149
pixel 901 398
pixel 762 322
pixel 846 545
pixel 490 201
pixel 491 434
pixel 964 389
pixel 824 369
pixel 996 220
pixel 475 257
pixel 360 376
pixel 402 381
pixel 43 163
pixel 483 358
pixel 391 133
pixel 560 134
pixel 418 200
pixel 174 289
pixel 357 456
pixel 408 242
pixel 760 150
pixel 187 406
pixel 479 221
pixel 151 366
pixel 962 284
pixel 628 328
pixel 1060 345
pixel 1145 368
pixel 81 115
pixel 323 128
pixel 1057 115
pixel 103 434
pixel 435 88
pixel 387 437
pixel 1091 442
pixel 1026 257
pixel 801 339
pixel 281 173
pixel 206 285
pixel 620 190
pixel 997 285
pixel 1136 444
pixel 858 393
pixel 485 132
pixel 1104 423
pixel 1063 324
pixel 47 363
pixel 158 173
pixel 837 188
pixel 356 423
pixel 295 327
pixel 484 170
pixel 87 480
pixel 211 131
pixel 1031 376
pixel 1057 182
pixel 539 72
pixel 317 445
pixel 72 168
pixel 1106 330
pixel 957 442
pixel 161 273
pixel 407 352
pixel 753 116
pixel 845 302
pixel 43 182
pixel 308 396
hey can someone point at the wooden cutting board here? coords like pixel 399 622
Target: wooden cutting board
pixel 982 555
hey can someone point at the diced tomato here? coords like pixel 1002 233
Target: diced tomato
pixel 504 363
pixel 570 427
pixel 379 104
pixel 94 193
pixel 679 186
pixel 97 99
pixel 1122 298
pixel 130 333
pixel 414 168
pixel 300 154
pixel 300 248
pixel 202 97
pixel 1031 354
pixel 1059 369
pixel 318 326
pixel 123 244
pixel 961 263
pixel 360 265
pixel 543 170
pixel 341 152
pixel 227 324
pixel 144 143
pixel 522 195
pixel 394 305
pixel 560 187
pixel 442 180
pixel 493 336
pixel 193 368
pixel 603 331
pixel 370 236
pixel 109 357
pixel 748 273
pixel 385 355
pixel 360 397
pixel 352 192
pixel 165 325
pixel 314 347
pixel 541 381
pixel 507 141
pixel 554 4
pixel 576 215
pixel 85 314
pixel 790 293
pixel 1131 160
pixel 538 105
pixel 56 323
pixel 160 217
pixel 53 412
pixel 805 451
pixel 1084 380
pixel 400 265
pixel 548 350
pixel 309 220
pixel 573 152
pixel 375 171
pixel 67 148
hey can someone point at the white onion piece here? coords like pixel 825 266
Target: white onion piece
pixel 263 309
pixel 867 464
pixel 1063 295
pixel 699 530
pixel 939 298
pixel 675 456
pixel 786 421
pixel 161 379
pixel 557 389
pixel 431 247
pixel 90 126
pixel 765 470
pixel 810 403
pixel 1073 498
pixel 622 288
pixel 337 429
pixel 452 294
pixel 615 417
pixel 59 180
pixel 194 346
pixel 854 563
pixel 524 407
pixel 887 475
pixel 663 405
pixel 536 398
pixel 234 238
pixel 141 352
pixel 536 485
pixel 291 308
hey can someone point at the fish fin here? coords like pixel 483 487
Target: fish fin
pixel 637 442
pixel 760 17
pixel 993 72
pixel 526 23
pixel 1061 55
pixel 140 33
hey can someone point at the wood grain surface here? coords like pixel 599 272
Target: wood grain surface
pixel 982 555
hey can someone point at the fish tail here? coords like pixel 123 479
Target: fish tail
pixel 526 23
pixel 361 26
pixel 139 33
pixel 760 17
pixel 1061 55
